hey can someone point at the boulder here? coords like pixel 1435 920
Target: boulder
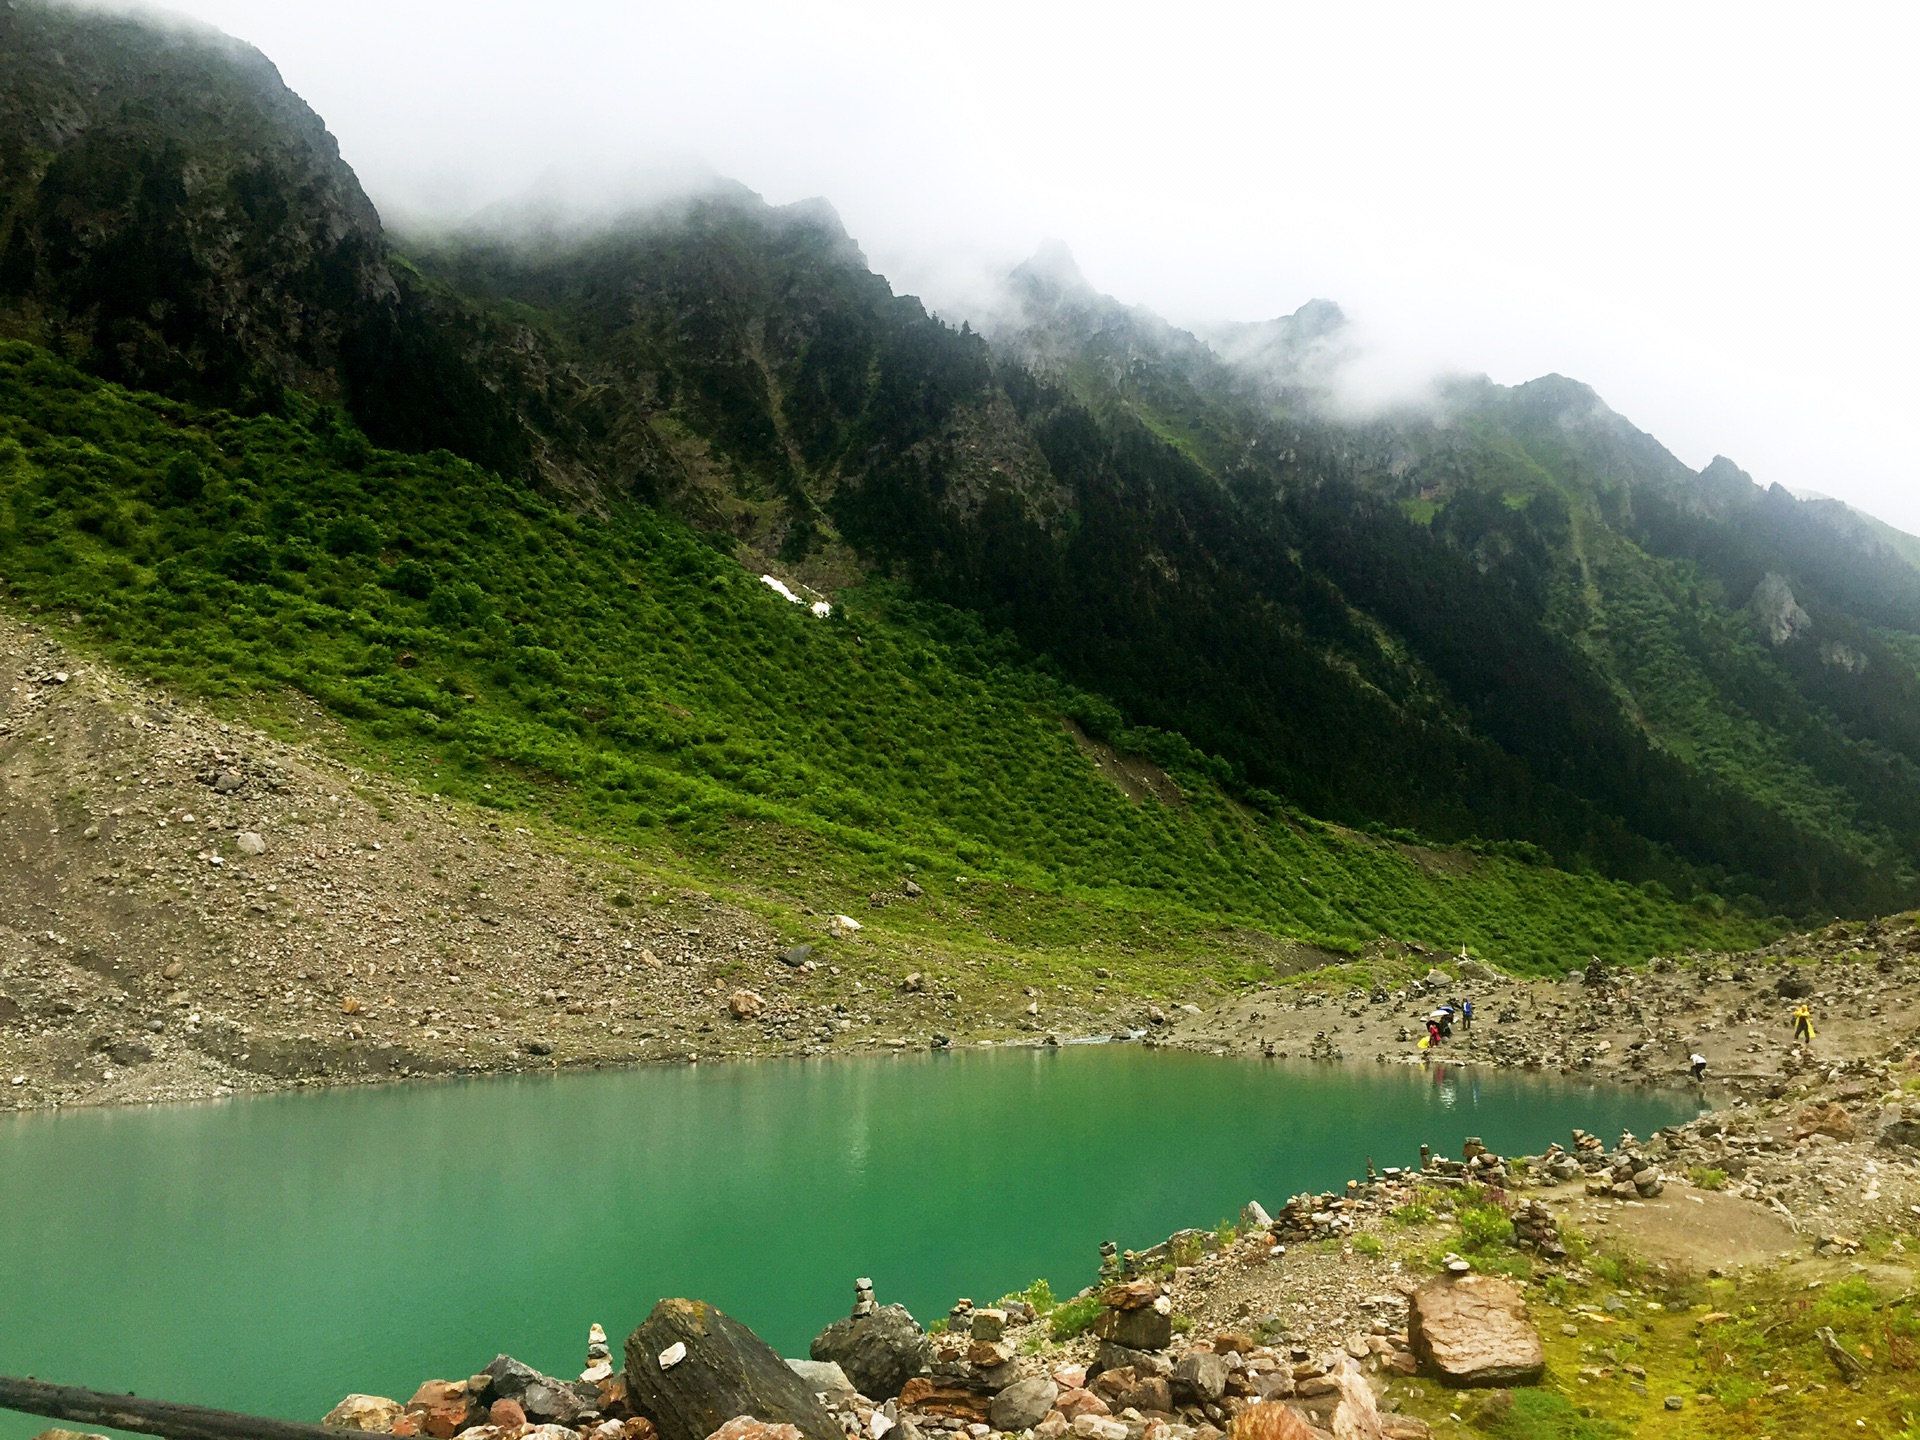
pixel 1830 1119
pixel 879 1351
pixel 250 842
pixel 1022 1405
pixel 364 1412
pixel 1794 985
pixel 1474 1330
pixel 506 1415
pixel 1200 1378
pixel 745 1004
pixel 1143 1329
pixel 724 1371
pixel 1898 1127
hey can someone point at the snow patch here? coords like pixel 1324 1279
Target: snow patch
pixel 780 587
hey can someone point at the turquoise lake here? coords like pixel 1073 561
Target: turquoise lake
pixel 270 1255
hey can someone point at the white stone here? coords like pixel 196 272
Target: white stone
pixel 673 1354
pixel 249 842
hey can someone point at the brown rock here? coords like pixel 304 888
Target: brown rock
pixel 1151 1394
pixel 1130 1296
pixel 1232 1342
pixel 930 1397
pixel 364 1412
pixel 745 1427
pixel 443 1407
pixel 1829 1119
pixel 405 1426
pixel 638 1427
pixel 1269 1422
pixel 745 1004
pixel 1110 1384
pixel 612 1398
pixel 1073 1403
pixel 506 1414
pixel 985 1354
pixel 1474 1330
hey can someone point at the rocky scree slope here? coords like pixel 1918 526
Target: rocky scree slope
pixel 200 909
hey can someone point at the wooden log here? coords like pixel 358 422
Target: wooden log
pixel 149 1417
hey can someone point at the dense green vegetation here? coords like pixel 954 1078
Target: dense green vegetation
pixel 1513 625
pixel 619 672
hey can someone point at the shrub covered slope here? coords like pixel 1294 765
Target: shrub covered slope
pixel 621 673
pixel 1652 704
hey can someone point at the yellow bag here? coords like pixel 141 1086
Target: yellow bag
pixel 1425 1041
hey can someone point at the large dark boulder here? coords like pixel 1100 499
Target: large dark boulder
pixel 880 1351
pixel 724 1371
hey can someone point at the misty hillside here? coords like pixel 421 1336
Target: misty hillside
pixel 488 498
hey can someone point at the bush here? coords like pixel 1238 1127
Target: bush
pixel 1187 1250
pixel 1039 1295
pixel 1073 1318
pixel 1706 1177
pixel 1484 1228
pixel 1368 1245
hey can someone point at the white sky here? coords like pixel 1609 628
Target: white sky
pixel 1708 212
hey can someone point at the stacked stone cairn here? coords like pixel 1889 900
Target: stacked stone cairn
pixel 1535 1229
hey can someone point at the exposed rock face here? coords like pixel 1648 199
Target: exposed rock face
pixel 724 1371
pixel 1474 1330
pixel 1778 614
pixel 880 1351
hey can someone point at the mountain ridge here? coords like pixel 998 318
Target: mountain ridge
pixel 1511 618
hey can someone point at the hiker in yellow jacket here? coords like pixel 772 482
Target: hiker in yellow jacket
pixel 1802 1024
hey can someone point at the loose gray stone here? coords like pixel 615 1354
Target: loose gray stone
pixel 1023 1404
pixel 1200 1378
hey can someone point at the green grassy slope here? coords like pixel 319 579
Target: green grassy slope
pixel 617 673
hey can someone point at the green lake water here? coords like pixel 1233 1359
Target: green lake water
pixel 270 1255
